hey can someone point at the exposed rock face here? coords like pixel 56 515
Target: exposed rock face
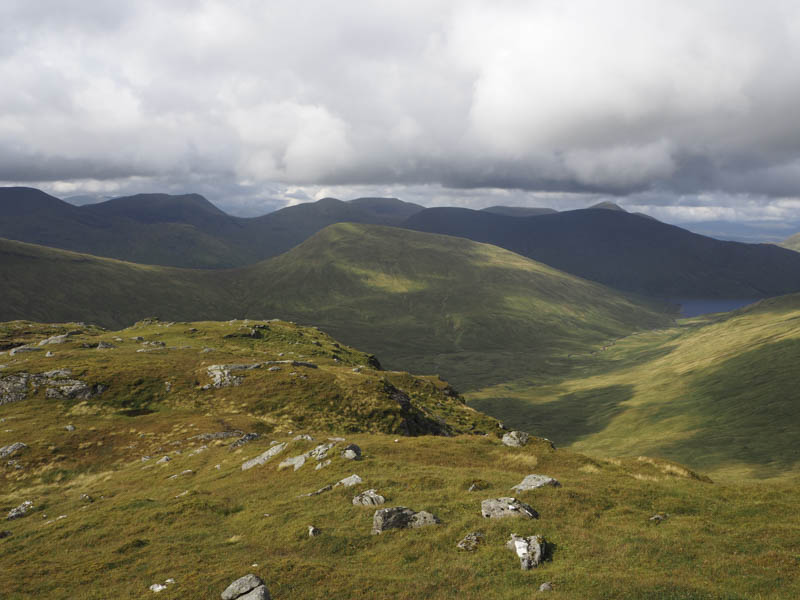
pixel 249 587
pixel 400 517
pixel 222 375
pixel 495 508
pixel 531 482
pixel 11 449
pixel 368 498
pixel 352 452
pixel 471 541
pixel 14 388
pixel 20 511
pixel 263 458
pixel 516 439
pixel 530 550
pixel 59 386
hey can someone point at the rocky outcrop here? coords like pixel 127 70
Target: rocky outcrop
pixel 295 462
pixel 58 386
pixel 400 517
pixel 20 511
pixel 223 375
pixel 263 458
pixel 498 508
pixel 351 452
pixel 14 388
pixel 11 449
pixel 471 541
pixel 516 439
pixel 532 482
pixel 368 498
pixel 530 550
pixel 249 587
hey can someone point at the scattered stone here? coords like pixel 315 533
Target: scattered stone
pixel 323 464
pixel 476 485
pixel 219 435
pixel 321 490
pixel 349 481
pixel 303 437
pixel 157 587
pixel 138 338
pixel 145 458
pixel 54 339
pixel 206 350
pixel 248 437
pixel 105 346
pixel 263 458
pixel 87 498
pixel 658 518
pixel 516 439
pixel 335 439
pixel 295 462
pixel 546 587
pixel 14 388
pixel 163 460
pixel 273 369
pixel 222 376
pixel 352 452
pixel 368 498
pixel 182 494
pixel 471 541
pixel 20 511
pixel 168 386
pixel 400 517
pixel 313 531
pixel 532 482
pixel 70 427
pixel 49 354
pixel 10 450
pixel 321 452
pixel 530 550
pixel 249 587
pixel 494 508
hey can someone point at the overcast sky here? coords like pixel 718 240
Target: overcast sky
pixel 688 110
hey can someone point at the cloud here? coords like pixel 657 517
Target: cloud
pixel 250 100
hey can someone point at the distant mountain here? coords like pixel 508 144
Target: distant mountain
pixel 607 205
pixel 792 242
pixel 628 252
pixel 182 231
pixel 518 211
pixel 473 312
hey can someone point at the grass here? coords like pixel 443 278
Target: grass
pixel 716 393
pixel 209 527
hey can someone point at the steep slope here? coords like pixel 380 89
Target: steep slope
pixel 118 479
pixel 628 252
pixel 179 230
pixel 719 394
pixel 518 211
pixel 434 304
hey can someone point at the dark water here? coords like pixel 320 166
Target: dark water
pixel 693 308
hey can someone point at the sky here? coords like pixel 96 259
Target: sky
pixel 688 110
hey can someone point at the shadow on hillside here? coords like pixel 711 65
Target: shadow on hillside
pixel 565 420
pixel 746 411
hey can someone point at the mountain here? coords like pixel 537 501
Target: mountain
pixel 518 211
pixel 717 393
pixel 122 452
pixel 628 252
pixel 608 205
pixel 182 231
pixel 792 242
pixel 434 304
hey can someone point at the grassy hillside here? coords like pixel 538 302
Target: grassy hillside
pixel 202 521
pixel 719 394
pixel 792 242
pixel 180 231
pixel 628 252
pixel 433 304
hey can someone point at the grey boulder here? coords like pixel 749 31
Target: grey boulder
pixel 530 550
pixel 351 452
pixel 531 482
pixel 249 587
pixel 400 517
pixel 10 450
pixel 20 511
pixel 368 498
pixel 498 508
pixel 516 439
pixel 264 457
pixel 471 541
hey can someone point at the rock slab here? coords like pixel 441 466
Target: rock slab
pixel 249 587
pixel 516 439
pixel 532 482
pixel 368 498
pixel 400 517
pixel 498 508
pixel 263 458
pixel 530 550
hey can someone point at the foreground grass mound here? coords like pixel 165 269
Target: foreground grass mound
pixel 140 483
pixel 474 313
pixel 718 393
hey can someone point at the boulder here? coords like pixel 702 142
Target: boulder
pixel 496 508
pixel 471 541
pixel 14 388
pixel 303 437
pixel 20 511
pixel 11 449
pixel 477 485
pixel 70 427
pixel 321 452
pixel 295 462
pixel 516 439
pixel 105 346
pixel 530 550
pixel 163 460
pixel 349 481
pixel 400 517
pixel 351 452
pixel 531 482
pixel 54 339
pixel 244 587
pixel 313 531
pixel 368 498
pixel 263 458
pixel 546 587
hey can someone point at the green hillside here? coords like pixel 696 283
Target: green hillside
pixel 471 312
pixel 110 516
pixel 792 242
pixel 717 393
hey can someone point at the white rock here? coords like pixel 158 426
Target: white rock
pixel 263 458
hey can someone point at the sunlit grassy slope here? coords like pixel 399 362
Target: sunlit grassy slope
pixel 213 524
pixel 719 393
pixel 474 313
